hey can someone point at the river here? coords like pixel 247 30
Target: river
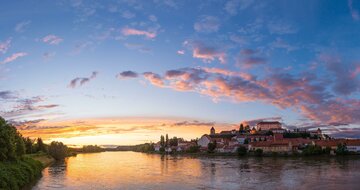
pixel 131 170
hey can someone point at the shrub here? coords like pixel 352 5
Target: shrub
pixel 241 151
pixel 258 152
pixel 193 149
pixel 17 174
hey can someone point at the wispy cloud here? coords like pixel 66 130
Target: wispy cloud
pixel 4 46
pixel 128 15
pixel 79 81
pixel 281 27
pixel 354 13
pixel 154 78
pixel 132 31
pixel 13 57
pixel 8 95
pixel 52 39
pixel 22 26
pixel 232 6
pixel 207 24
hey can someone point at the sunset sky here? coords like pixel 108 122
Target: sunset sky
pixel 127 71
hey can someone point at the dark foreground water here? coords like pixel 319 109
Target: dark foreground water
pixel 130 170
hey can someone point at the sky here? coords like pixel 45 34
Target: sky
pixel 127 71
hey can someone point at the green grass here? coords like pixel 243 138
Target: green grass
pixel 15 175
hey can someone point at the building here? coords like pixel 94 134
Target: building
pixel 267 125
pixel 204 141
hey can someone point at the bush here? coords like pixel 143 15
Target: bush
pixel 211 147
pixel 241 151
pixel 312 150
pixel 258 152
pixel 341 149
pixel 193 149
pixel 15 175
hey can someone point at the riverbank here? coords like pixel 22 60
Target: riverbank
pixel 18 174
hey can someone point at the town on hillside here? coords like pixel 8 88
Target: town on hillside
pixel 267 137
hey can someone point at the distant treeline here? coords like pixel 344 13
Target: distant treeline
pixel 88 149
pixel 146 147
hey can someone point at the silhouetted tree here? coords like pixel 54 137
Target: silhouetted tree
pixel 241 129
pixel 40 145
pixel 29 145
pixel 212 146
pixel 241 151
pixel 167 140
pixel 162 141
pixel 58 150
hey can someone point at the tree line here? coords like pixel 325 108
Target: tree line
pixel 13 145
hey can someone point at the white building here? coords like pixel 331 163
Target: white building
pixel 204 141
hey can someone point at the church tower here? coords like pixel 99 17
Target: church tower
pixel 212 131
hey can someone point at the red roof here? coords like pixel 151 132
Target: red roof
pixel 269 122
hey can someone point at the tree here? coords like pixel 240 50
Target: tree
pixel 212 146
pixel 247 128
pixel 246 141
pixel 193 149
pixel 241 151
pixel 40 145
pixel 341 149
pixel 241 129
pixel 173 141
pixel 58 150
pixel 162 141
pixel 20 145
pixel 8 141
pixel 258 152
pixel 167 140
pixel 29 145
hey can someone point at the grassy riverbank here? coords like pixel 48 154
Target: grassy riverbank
pixel 17 174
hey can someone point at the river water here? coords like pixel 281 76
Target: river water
pixel 131 170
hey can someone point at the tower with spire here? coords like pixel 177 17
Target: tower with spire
pixel 212 131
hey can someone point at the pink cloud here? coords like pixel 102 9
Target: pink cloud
pixel 131 31
pixel 52 39
pixel 180 52
pixel 306 93
pixel 13 57
pixel 208 54
pixel 154 78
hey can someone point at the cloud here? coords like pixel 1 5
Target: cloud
pixel 4 46
pixel 233 6
pixel 346 82
pixel 207 53
pixel 249 58
pixel 306 94
pixel 153 18
pixel 354 13
pixel 79 81
pixel 180 52
pixel 279 43
pixel 19 107
pixel 13 57
pixel 128 15
pixel 281 27
pixel 207 24
pixel 8 95
pixel 52 39
pixel 155 79
pixel 126 75
pixel 21 27
pixel 253 122
pixel 131 31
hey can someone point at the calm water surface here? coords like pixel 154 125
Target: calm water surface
pixel 130 170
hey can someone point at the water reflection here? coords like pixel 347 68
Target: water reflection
pixel 129 170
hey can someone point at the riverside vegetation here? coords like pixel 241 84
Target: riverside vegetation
pixel 22 159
